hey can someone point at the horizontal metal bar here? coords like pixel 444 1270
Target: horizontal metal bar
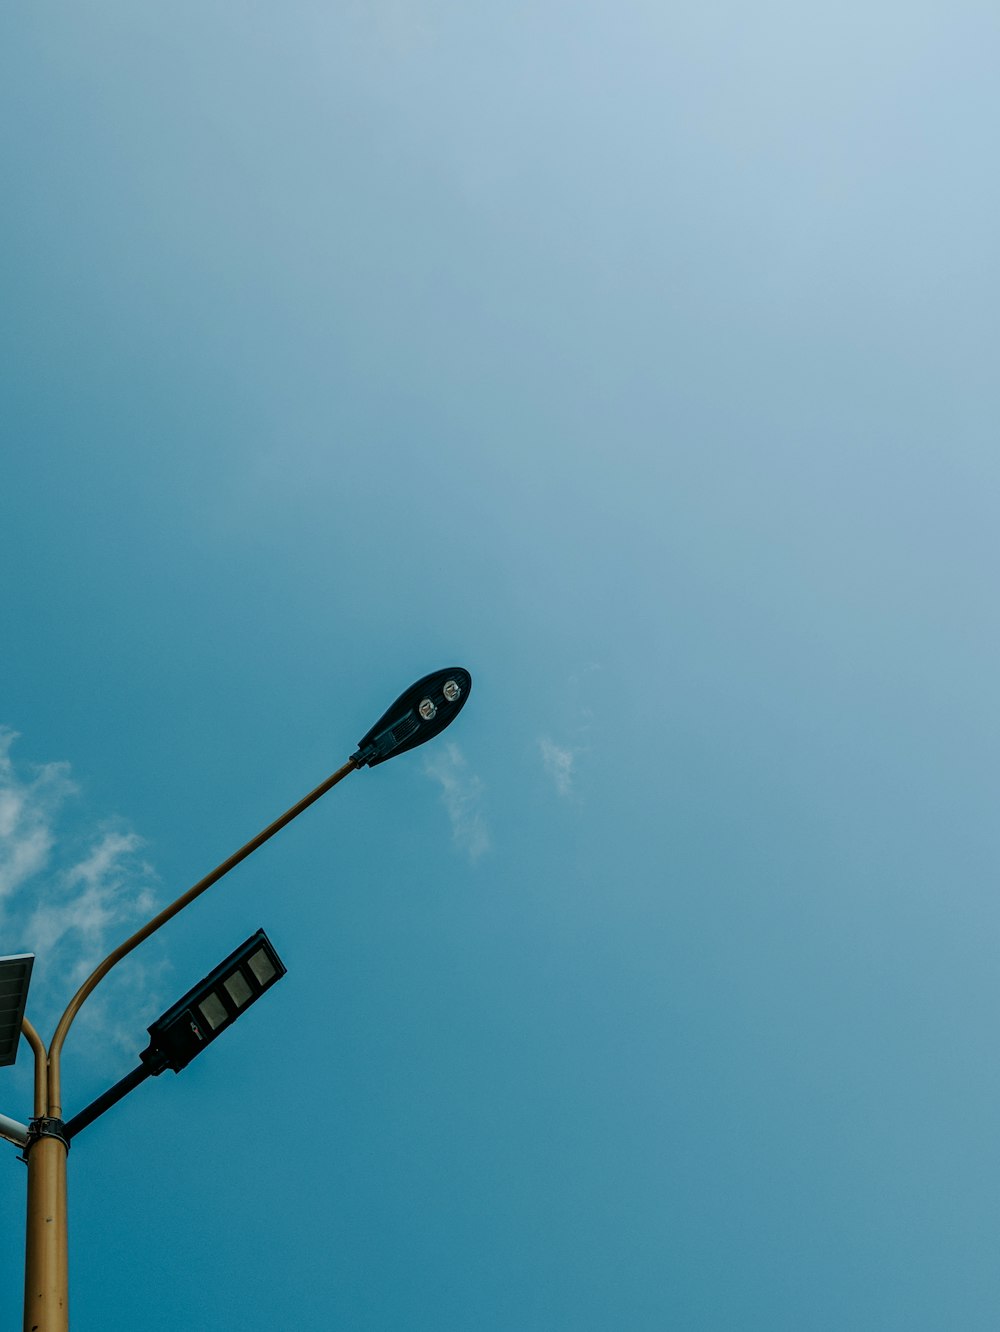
pixel 107 1099
pixel 13 1131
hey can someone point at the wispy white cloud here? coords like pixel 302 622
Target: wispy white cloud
pixel 28 807
pixel 87 899
pixel 558 763
pixel 462 796
pixel 559 760
pixel 68 894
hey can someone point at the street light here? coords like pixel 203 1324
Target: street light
pixel 189 1026
pixel 419 714
pixel 213 1005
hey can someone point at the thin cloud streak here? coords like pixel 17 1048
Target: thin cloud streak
pixel 28 809
pixel 462 796
pixel 558 763
pixel 68 896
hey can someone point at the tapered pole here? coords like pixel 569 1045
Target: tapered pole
pixel 46 1268
pixel 46 1264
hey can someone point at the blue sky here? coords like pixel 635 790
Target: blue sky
pixel 642 359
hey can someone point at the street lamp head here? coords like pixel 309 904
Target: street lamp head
pixel 419 714
pixel 212 1005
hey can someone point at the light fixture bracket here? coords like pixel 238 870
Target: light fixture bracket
pixel 45 1126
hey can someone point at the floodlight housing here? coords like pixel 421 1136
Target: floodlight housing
pixel 213 1005
pixel 419 714
pixel 15 975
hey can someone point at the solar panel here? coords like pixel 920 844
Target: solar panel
pixel 15 973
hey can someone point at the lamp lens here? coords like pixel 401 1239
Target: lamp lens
pixel 261 966
pixel 451 690
pixel 427 709
pixel 213 1010
pixel 238 989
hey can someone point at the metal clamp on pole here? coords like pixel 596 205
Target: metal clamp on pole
pixel 45 1126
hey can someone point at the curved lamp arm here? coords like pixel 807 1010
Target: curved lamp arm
pixel 41 1068
pixel 96 976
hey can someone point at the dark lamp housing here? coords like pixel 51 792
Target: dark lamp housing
pixel 419 714
pixel 213 1005
pixel 15 973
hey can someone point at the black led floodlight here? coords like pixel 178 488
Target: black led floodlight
pixel 421 713
pixel 15 973
pixel 194 1021
pixel 212 1005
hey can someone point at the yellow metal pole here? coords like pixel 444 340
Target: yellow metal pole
pixel 46 1267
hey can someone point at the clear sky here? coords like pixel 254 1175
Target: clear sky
pixel 641 358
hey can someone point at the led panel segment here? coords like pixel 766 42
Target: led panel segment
pixel 15 973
